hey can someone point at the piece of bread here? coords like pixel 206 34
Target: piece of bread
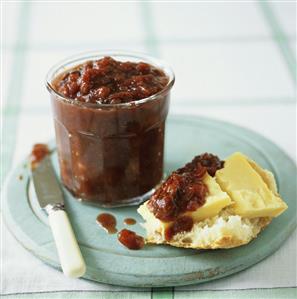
pixel 225 230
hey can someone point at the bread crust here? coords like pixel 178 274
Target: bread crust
pixel 226 240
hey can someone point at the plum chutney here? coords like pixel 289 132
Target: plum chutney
pixel 107 81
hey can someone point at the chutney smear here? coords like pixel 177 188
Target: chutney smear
pixel 184 190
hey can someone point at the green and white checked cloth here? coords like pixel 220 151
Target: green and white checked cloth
pixel 234 60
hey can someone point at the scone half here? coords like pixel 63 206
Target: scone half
pixel 224 230
pixel 225 224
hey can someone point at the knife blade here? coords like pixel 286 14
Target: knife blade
pixel 47 186
pixel 50 197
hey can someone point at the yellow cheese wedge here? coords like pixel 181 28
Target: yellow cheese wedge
pixel 248 186
pixel 216 200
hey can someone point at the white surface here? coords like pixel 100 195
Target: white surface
pixel 85 23
pixel 285 13
pixel 7 59
pixel 71 260
pixel 10 15
pixel 229 71
pixel 227 66
pixel 293 46
pixel 225 21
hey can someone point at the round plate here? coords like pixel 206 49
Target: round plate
pixel 109 262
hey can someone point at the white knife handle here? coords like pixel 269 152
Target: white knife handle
pixel 71 259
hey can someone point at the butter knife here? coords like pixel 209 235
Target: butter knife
pixel 50 197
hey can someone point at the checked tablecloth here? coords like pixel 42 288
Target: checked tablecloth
pixel 234 60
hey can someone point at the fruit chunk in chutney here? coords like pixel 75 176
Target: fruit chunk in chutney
pixel 110 154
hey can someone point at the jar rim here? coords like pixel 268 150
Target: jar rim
pixel 92 55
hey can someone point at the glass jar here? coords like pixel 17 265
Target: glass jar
pixel 110 154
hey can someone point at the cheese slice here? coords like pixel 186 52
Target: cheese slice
pixel 215 201
pixel 248 186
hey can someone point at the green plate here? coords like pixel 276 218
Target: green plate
pixel 109 262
